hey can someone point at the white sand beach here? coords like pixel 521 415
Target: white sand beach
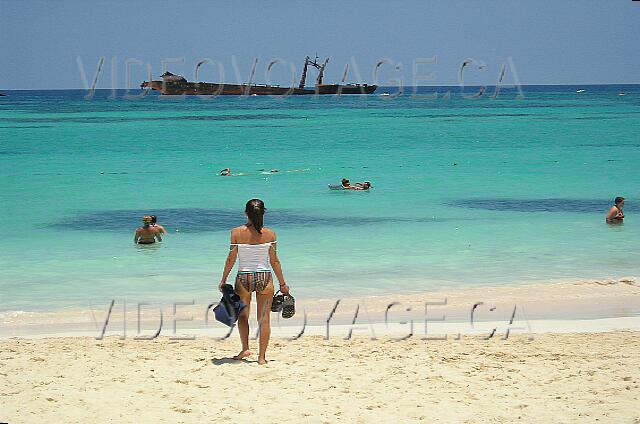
pixel 551 368
pixel 552 378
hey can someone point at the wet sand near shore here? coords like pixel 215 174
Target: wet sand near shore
pixel 560 301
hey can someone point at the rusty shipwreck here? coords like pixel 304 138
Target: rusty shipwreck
pixel 177 85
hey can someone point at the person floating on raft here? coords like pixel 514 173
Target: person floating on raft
pixel 364 186
pixel 346 185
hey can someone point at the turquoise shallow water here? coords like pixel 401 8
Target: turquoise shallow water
pixel 525 200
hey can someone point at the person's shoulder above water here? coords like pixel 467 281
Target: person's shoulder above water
pixel 156 226
pixel 615 214
pixel 146 234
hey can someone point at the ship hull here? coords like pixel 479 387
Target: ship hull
pixel 212 89
pixel 345 89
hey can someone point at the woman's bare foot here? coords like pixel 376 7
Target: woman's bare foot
pixel 243 354
pixel 262 361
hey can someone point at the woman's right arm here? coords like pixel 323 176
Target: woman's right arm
pixel 231 260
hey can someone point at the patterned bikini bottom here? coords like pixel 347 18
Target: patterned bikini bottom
pixel 254 281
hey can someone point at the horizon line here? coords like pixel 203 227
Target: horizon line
pixel 380 86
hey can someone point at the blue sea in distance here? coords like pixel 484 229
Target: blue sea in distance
pixel 467 192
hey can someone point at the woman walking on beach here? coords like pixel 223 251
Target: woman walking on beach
pixel 255 247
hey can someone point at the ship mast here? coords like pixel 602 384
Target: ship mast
pixel 321 73
pixel 315 64
pixel 304 72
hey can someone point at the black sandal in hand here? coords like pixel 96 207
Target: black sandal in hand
pixel 285 303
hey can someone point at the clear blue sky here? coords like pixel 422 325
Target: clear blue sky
pixel 550 41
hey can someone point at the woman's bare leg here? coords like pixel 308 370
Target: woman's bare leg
pixel 243 321
pixel 264 300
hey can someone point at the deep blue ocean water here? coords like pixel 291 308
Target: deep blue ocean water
pixel 467 192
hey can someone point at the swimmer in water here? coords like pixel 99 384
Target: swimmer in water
pixel 226 172
pixel 346 185
pixel 364 186
pixel 615 215
pixel 146 234
pixel 159 228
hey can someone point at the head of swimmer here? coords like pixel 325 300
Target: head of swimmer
pixel 225 172
pixel 619 202
pixel 345 182
pixel 254 209
pixel 147 220
pixel 366 185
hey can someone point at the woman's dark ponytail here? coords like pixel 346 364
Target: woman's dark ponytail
pixel 255 212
